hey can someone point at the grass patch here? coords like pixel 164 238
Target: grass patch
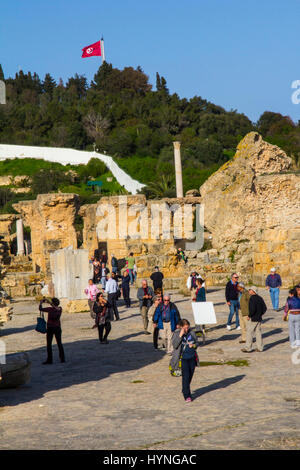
pixel 137 382
pixel 237 363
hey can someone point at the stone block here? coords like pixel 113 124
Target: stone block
pixel 275 235
pixel 18 291
pixel 296 257
pixel 74 306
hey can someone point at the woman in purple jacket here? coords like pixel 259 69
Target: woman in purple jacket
pixel 292 310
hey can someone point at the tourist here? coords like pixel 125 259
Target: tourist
pixel 184 345
pixel 91 291
pixel 103 274
pixel 273 284
pixel 152 329
pixel 232 299
pixel 257 308
pixel 53 328
pixel 181 255
pixel 114 264
pixel 244 298
pixel 125 288
pixel 97 276
pixel 200 296
pixel 292 313
pixel 191 283
pixel 102 317
pixel 145 296
pixel 157 279
pixel 166 318
pixel 103 258
pixel 111 289
pixel 134 272
pixel 130 262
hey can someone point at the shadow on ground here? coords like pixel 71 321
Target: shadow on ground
pixel 217 385
pixel 87 361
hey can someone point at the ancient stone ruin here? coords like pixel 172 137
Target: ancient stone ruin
pixel 251 223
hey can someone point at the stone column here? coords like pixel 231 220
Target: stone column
pixel 178 169
pixel 20 237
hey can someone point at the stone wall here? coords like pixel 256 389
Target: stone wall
pixel 149 251
pixel 51 220
pixel 252 206
pixel 250 192
pixel 279 249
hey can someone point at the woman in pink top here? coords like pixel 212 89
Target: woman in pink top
pixel 91 291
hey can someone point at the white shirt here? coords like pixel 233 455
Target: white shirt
pixel 189 281
pixel 111 286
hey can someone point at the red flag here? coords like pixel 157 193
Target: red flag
pixel 93 49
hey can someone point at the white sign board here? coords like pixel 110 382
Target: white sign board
pixel 204 313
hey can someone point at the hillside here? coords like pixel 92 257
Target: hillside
pixel 121 113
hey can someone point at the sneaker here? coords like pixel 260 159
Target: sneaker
pixel 259 350
pixel 245 350
pixel 47 362
pixel 242 341
pixel 238 328
pixel 228 327
pixel 188 400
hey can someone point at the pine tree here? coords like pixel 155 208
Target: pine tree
pixel 49 84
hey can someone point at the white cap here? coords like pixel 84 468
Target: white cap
pixel 255 289
pixel 273 269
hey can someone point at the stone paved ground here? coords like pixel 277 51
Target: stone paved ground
pixel 121 396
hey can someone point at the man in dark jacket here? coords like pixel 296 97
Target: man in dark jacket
pixel 232 299
pixel 114 264
pixel 157 279
pixel 145 296
pixel 257 308
pixel 125 286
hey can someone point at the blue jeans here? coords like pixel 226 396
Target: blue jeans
pixel 131 275
pixel 294 327
pixel 274 294
pixel 187 369
pixel 234 304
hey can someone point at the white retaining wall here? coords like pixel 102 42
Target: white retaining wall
pixel 74 157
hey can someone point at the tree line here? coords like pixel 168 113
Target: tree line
pixel 122 113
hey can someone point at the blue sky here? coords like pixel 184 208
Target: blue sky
pixel 240 54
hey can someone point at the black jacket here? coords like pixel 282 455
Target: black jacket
pixel 157 278
pixel 257 308
pixel 231 292
pixel 125 283
pixel 102 313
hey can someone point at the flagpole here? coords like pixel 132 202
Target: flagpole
pixel 102 50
